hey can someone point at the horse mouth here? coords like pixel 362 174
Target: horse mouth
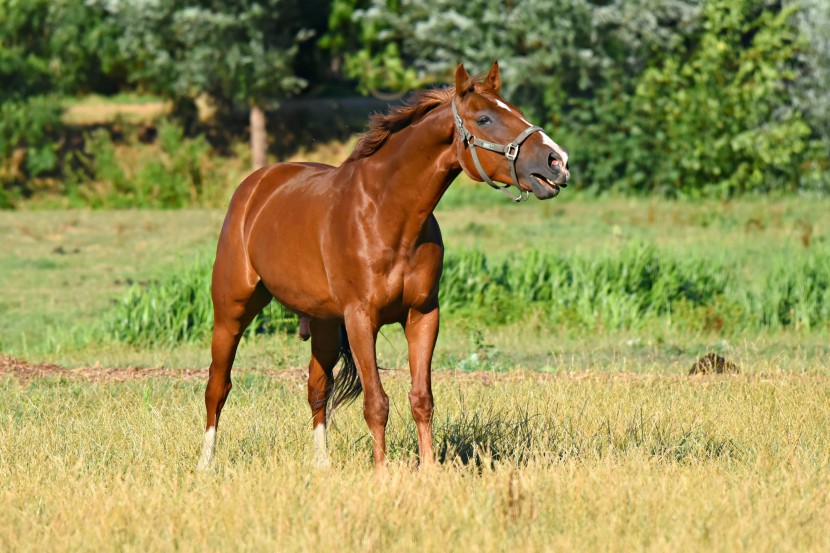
pixel 549 188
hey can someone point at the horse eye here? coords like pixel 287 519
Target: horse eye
pixel 484 120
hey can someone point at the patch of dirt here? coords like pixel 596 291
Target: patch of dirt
pixel 713 363
pixel 24 371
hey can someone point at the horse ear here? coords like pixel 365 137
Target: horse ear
pixel 463 83
pixel 493 79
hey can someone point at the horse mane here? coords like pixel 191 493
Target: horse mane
pixel 384 125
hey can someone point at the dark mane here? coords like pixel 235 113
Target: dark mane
pixel 384 125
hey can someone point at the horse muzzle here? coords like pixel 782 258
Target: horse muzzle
pixel 547 183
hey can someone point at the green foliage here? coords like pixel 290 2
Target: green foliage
pixel 28 129
pixel 381 71
pixel 630 289
pixel 549 50
pixel 31 124
pixel 717 118
pixel 174 47
pixel 171 174
pixel 619 291
pixel 29 114
pixel 680 97
pixel 179 309
pixel 22 75
pixel 69 44
pixel 795 297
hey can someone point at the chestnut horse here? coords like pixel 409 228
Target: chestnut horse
pixel 355 247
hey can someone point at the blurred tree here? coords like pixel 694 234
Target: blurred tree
pixel 549 50
pixel 29 108
pixel 72 39
pixel 237 53
pixel 48 49
pixel 681 96
pixel 721 115
pixel 812 96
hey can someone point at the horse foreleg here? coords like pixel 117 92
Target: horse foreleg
pixel 231 318
pixel 362 330
pixel 421 334
pixel 325 350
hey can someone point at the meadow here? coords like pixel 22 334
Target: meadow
pixel 565 415
pixel 695 227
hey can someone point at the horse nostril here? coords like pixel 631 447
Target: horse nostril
pixel 554 162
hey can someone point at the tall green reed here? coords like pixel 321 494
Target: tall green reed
pixel 628 289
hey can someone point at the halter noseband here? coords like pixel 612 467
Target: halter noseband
pixel 510 151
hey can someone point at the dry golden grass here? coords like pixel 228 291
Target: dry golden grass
pixel 530 462
pixel 94 109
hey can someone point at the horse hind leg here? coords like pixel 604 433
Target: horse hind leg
pixel 231 316
pixel 325 351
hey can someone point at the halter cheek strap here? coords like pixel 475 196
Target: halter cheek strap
pixel 510 151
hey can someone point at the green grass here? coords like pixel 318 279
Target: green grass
pixel 554 432
pixel 61 272
pixel 635 288
pixel 529 463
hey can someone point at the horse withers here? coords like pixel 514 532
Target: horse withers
pixel 355 247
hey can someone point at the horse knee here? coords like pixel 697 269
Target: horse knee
pixel 422 406
pixel 376 409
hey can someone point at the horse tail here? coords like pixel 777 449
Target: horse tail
pixel 347 386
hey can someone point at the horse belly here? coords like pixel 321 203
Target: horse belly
pixel 286 258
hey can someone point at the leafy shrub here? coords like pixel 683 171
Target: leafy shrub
pixel 28 146
pixel 170 174
pixel 30 124
pixel 614 292
pixel 625 290
pixel 720 117
pixel 179 309
pixel 680 97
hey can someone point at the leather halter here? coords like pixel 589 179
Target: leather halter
pixel 510 151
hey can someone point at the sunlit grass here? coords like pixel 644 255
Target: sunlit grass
pixel 616 462
pixel 60 271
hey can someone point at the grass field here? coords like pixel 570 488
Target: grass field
pixel 572 462
pixel 550 437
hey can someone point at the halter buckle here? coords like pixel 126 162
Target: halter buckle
pixel 511 151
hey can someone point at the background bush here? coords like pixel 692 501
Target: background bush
pixel 179 309
pixel 173 173
pixel 676 97
pixel 671 96
pixel 634 288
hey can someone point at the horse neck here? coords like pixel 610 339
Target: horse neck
pixel 409 174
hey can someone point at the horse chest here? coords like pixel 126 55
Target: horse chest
pixel 393 281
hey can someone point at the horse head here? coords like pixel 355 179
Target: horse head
pixel 495 142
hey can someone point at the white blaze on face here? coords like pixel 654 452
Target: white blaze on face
pixel 548 141
pixel 321 454
pixel 208 447
pixel 504 106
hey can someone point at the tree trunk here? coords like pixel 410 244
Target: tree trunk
pixel 259 137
